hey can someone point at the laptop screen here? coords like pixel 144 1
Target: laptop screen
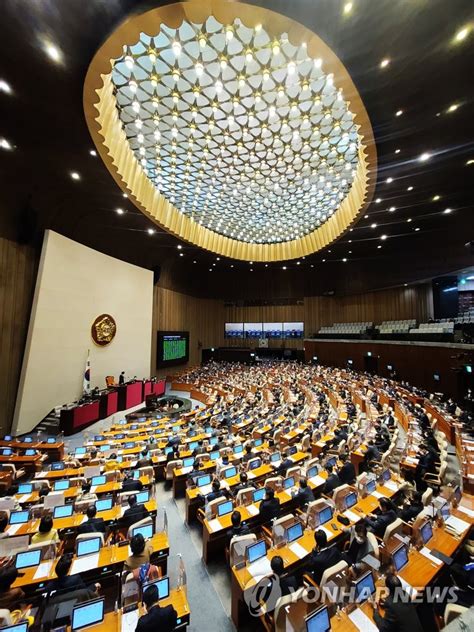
pixel 214 440
pixel 318 621
pixel 230 471
pixel 105 448
pixel 426 532
pixel 51 440
pixel 80 451
pixel 371 486
pixel 19 517
pixel 28 558
pixel 276 456
pixel 98 480
pixel 258 494
pixel 292 450
pixel 163 585
pixel 193 445
pixel 104 505
pixel 7 452
pixel 188 462
pixel 288 482
pixel 202 481
pixel 350 500
pixel 331 461
pixel 143 497
pixel 19 627
pixel 60 486
pixel 364 587
pixel 89 613
pixel 238 449
pixel 325 515
pixel 146 531
pixel 214 455
pixel 225 508
pixel 258 442
pixel 59 465
pixel 400 557
pixel 254 464
pixel 386 475
pixel 30 452
pixel 256 551
pixel 313 471
pixel 87 547
pixel 63 511
pixel 26 488
pixel 28 440
pixel 294 532
pixel 129 445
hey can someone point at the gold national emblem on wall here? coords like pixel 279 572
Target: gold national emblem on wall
pixel 103 330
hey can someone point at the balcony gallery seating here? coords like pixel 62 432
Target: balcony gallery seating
pixel 346 329
pixel 396 326
pixel 446 327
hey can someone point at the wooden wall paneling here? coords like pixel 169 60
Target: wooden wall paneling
pixel 18 267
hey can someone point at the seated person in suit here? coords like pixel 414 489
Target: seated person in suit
pixel 129 484
pixel 322 556
pixel 411 507
pixel 285 464
pixel 238 527
pixel 288 583
pixel 92 523
pixel 10 598
pixel 304 495
pixel 248 456
pixel 46 532
pixel 134 513
pixel 3 524
pixel 387 515
pixel 332 481
pixel 141 551
pixel 159 618
pixel 372 454
pixel 244 484
pixel 145 460
pixel 269 506
pixel 399 614
pixel 65 583
pixel 346 472
pixel 217 492
pixel 359 546
pixel 86 493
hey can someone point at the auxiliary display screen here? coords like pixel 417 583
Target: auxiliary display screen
pixel 172 348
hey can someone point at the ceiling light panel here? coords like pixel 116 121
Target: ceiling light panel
pixel 246 135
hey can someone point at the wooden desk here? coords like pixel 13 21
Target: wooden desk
pixel 29 463
pixel 110 559
pixel 54 451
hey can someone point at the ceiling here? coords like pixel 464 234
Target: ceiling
pixel 411 63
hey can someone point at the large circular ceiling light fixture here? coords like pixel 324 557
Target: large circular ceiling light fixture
pixel 233 127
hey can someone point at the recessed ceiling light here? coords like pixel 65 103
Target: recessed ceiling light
pixel 379 247
pixel 214 264
pixel 392 209
pixel 210 269
pixel 196 262
pixel 181 254
pixel 424 156
pixel 53 52
pixel 4 144
pixel 436 198
pixel 324 260
pixel 462 34
pixel 119 211
pixel 416 230
pixel 218 258
pixel 378 200
pixel 470 161
pixel 284 268
pixel 5 87
pixel 409 220
pixel 298 263
pixel 124 195
pixel 344 259
pixel 366 217
pixel 452 108
pixel 151 231
pixel 179 247
pixel 410 189
pixel 312 265
pixel 398 112
pixel 373 226
pixel 348 8
pixel 397 151
pixel 447 211
pixel 266 265
pixel 75 175
pixel 93 152
pixel 251 269
pixel 384 63
pixel 232 265
pixel 383 237
pixel 405 284
pixel 389 180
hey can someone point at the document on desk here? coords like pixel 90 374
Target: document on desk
pixel 129 621
pixel 329 533
pixel 186 470
pixel 317 480
pixel 427 553
pixel 43 570
pixel 214 525
pixel 250 475
pixel 408 588
pixel 13 528
pixel 391 485
pixel 23 498
pixel 260 568
pixel 85 563
pixel 377 495
pixel 253 510
pixel 298 550
pixel 362 621
pixel 204 491
pixel 463 509
pixel 456 524
pixel 353 517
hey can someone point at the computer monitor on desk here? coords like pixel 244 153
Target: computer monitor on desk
pixel 87 614
pixel 256 551
pixel 364 587
pixel 324 515
pixel 318 621
pixel 400 557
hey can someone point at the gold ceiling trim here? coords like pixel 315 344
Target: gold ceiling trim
pixel 111 142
